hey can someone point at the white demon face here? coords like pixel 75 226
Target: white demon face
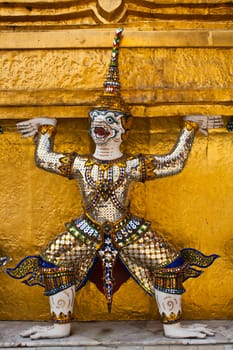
pixel 106 126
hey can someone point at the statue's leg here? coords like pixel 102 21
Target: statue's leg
pixel 60 288
pixel 170 310
pixel 73 258
pixel 157 265
pixel 61 268
pixel 61 308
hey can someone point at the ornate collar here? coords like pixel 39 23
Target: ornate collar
pixel 106 164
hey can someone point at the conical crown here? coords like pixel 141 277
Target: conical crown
pixel 111 98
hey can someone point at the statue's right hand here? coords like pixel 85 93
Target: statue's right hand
pixel 30 127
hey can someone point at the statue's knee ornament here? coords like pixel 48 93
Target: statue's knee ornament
pixel 57 279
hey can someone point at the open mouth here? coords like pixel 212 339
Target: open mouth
pixel 99 131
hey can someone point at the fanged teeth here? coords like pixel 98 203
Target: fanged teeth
pixel 101 132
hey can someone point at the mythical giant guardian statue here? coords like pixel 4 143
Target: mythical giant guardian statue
pixel 107 233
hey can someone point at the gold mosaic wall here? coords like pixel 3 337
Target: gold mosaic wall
pixel 176 59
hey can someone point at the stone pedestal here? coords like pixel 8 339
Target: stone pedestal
pixel 122 335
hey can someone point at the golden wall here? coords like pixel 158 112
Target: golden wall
pixel 175 59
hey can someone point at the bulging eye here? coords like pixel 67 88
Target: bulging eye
pixel 110 120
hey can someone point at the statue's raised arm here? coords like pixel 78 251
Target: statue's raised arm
pixel 172 163
pixel 44 130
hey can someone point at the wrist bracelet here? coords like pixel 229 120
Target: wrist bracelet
pixel 50 129
pixel 189 125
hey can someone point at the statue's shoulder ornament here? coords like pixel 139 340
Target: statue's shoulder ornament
pixel 72 163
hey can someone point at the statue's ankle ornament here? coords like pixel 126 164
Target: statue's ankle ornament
pixel 169 306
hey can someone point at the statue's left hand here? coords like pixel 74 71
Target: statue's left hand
pixel 206 122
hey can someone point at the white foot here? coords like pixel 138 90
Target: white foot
pixel 54 331
pixel 194 331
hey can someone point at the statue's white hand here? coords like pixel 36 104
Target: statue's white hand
pixel 30 127
pixel 206 122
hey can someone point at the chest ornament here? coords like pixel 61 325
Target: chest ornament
pixel 105 177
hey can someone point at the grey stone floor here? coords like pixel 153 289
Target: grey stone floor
pixel 122 335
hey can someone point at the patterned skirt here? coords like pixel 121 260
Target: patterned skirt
pixel 108 254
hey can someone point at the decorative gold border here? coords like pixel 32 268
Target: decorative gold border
pixel 86 38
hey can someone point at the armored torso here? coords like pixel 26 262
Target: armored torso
pixel 105 185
